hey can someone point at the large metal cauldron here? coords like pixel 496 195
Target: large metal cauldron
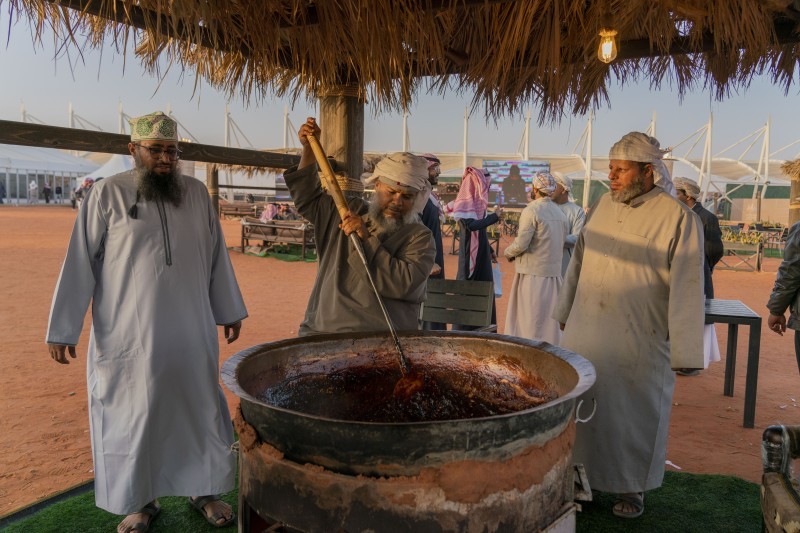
pixel 401 448
pixel 510 472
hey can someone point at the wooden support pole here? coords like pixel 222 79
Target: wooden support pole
pixel 794 199
pixel 342 122
pixel 212 183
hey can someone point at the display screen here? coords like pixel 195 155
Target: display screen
pixel 499 170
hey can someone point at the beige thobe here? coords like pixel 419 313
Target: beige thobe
pixel 633 303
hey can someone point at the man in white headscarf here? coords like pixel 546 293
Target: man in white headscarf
pixel 575 214
pixel 689 193
pixel 399 248
pixel 632 303
pixel 148 252
pixel 536 252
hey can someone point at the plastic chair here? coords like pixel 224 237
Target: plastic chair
pixel 468 303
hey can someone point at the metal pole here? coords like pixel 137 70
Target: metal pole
pixel 587 180
pixel 228 179
pixel 405 131
pixel 285 127
pixel 705 166
pixel 526 148
pixel 466 137
pixel 766 166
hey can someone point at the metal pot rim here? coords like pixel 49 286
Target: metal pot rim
pixel 584 369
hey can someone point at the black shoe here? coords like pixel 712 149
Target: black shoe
pixel 687 371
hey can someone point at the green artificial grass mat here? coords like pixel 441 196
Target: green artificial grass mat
pixel 773 252
pixel 685 503
pixel 79 514
pixel 291 252
pixel 284 252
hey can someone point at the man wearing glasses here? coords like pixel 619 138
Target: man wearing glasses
pixel 147 250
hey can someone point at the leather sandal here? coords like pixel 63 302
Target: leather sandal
pixel 634 499
pixel 201 501
pixel 151 510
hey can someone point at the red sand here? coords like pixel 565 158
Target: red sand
pixel 44 441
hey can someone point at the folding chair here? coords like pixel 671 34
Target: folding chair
pixel 459 302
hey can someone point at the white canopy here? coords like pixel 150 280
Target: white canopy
pixel 45 160
pixel 117 163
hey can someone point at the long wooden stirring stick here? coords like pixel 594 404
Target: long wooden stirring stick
pixel 341 205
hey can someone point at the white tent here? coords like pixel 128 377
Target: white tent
pixel 19 165
pixel 43 160
pixel 117 163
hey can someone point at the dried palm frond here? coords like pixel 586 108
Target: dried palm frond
pixel 510 54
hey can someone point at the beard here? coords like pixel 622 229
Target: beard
pixel 636 188
pixel 387 225
pixel 165 187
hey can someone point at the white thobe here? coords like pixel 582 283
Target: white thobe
pixel 576 217
pixel 537 252
pixel 633 305
pixel 159 285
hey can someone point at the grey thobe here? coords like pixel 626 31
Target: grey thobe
pixel 159 285
pixel 342 299
pixel 633 302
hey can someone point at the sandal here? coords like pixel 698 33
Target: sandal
pixel 634 499
pixel 151 510
pixel 201 501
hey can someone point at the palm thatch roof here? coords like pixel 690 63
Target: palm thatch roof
pixel 511 53
pixel 792 168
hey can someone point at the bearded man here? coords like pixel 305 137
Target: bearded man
pixel 147 250
pixel 399 249
pixel 633 304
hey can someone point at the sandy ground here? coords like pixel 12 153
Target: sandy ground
pixel 44 440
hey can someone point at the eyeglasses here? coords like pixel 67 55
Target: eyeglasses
pixel 172 153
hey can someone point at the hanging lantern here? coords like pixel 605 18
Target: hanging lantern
pixel 607 50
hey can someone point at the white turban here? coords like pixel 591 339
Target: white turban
pixel 642 148
pixel 564 181
pixel 407 172
pixel 544 182
pixel 690 187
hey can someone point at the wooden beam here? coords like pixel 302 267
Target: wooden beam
pixel 27 134
pixel 785 33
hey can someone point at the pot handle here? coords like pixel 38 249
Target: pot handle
pixel 578 419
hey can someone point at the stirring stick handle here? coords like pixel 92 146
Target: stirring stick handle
pixel 329 177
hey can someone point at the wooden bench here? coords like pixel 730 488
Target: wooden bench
pixel 238 209
pixel 741 256
pixel 278 231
